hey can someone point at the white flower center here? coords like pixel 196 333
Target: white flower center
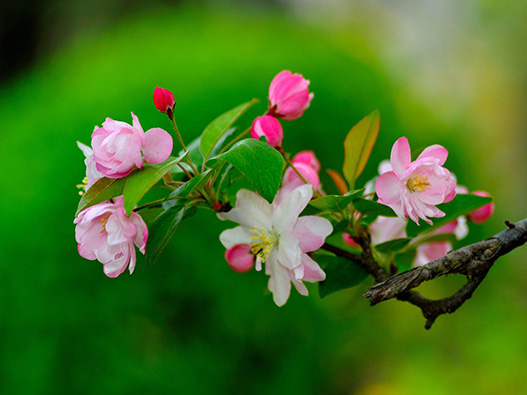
pixel 418 183
pixel 263 243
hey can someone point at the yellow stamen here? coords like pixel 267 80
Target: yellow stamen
pixel 104 220
pixel 83 186
pixel 262 244
pixel 418 183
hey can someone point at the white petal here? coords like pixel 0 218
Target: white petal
pixel 231 237
pixel 279 283
pixel 288 251
pixel 287 211
pixel 251 210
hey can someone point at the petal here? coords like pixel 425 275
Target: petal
pixel 141 236
pixel 251 210
pixel 388 187
pixel 435 151
pixel 87 151
pixel 400 157
pixel 312 271
pixel 158 145
pixel 232 237
pixel 300 287
pixel 279 283
pixel 287 211
pixel 311 232
pixel 115 268
pixel 288 251
pixel 136 124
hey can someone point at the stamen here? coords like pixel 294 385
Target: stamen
pixel 418 183
pixel 104 220
pixel 83 186
pixel 262 244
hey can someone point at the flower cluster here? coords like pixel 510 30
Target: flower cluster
pixel 272 234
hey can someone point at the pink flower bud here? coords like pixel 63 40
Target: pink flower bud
pixel 483 213
pixel 350 241
pixel 240 258
pixel 307 157
pixel 164 100
pixel 289 96
pixel 268 127
pixel 307 172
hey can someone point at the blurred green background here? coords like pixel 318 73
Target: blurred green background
pixel 447 72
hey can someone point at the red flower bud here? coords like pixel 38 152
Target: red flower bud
pixel 164 100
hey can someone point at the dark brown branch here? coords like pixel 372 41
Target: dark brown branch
pixel 473 261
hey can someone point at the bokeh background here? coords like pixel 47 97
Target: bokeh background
pixel 446 72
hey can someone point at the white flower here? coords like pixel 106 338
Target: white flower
pixel 278 238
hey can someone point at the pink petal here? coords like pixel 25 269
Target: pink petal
pixel 435 151
pixel 311 231
pixel 388 188
pixel 401 156
pixel 312 271
pixel 158 145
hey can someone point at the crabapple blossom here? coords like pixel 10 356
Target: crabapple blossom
pixel 289 96
pixel 268 127
pixel 278 238
pixel 306 164
pixel 483 213
pixel 387 228
pixel 104 232
pixel 307 157
pixel 240 258
pixel 413 189
pixel 118 147
pixel 164 100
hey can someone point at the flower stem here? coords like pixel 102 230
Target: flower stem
pixel 172 119
pixel 243 134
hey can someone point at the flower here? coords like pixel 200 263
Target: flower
pixel 387 228
pixel 119 147
pixel 308 158
pixel 104 232
pixel 306 164
pixel 92 174
pixel 278 238
pixel 413 189
pixel 268 127
pixel 289 96
pixel 164 100
pixel 483 213
pixel 240 258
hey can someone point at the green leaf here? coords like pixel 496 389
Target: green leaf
pixel 340 274
pixel 215 130
pixel 103 189
pixel 392 245
pixel 370 207
pixel 191 185
pixel 139 182
pixel 358 145
pixel 163 228
pixel 405 261
pixel 461 205
pixel 336 202
pixel 260 163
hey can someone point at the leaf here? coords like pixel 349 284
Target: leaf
pixel 140 182
pixel 340 274
pixel 335 202
pixel 405 261
pixel 260 163
pixel 392 245
pixel 461 205
pixel 103 189
pixel 190 186
pixel 370 207
pixel 215 130
pixel 358 145
pixel 338 180
pixel 163 228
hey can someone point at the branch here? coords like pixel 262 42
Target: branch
pixel 474 261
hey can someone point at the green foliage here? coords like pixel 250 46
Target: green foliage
pixel 340 274
pixel 139 182
pixel 369 207
pixel 103 189
pixel 336 202
pixel 392 246
pixel 217 128
pixel 260 163
pixel 358 145
pixel 461 205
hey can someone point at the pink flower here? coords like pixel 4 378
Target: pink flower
pixel 164 100
pixel 104 232
pixel 118 147
pixel 278 238
pixel 289 96
pixel 387 228
pixel 240 258
pixel 413 189
pixel 307 157
pixel 268 127
pixel 483 213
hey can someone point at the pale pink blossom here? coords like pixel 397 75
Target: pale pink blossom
pixel 289 96
pixel 387 228
pixel 118 147
pixel 104 232
pixel 268 127
pixel 92 174
pixel 164 100
pixel 482 214
pixel 309 174
pixel 240 258
pixel 278 238
pixel 413 189
pixel 307 157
